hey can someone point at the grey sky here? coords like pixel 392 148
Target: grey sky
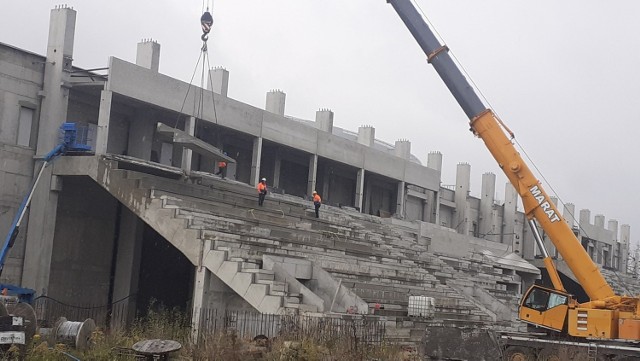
pixel 561 74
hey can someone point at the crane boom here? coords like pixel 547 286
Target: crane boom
pixel 485 124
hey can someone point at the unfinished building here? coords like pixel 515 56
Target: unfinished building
pixel 144 218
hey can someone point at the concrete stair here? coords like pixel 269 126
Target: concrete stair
pixel 254 284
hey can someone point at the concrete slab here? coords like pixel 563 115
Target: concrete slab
pixel 180 138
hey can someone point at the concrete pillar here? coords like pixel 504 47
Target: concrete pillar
pixel 255 161
pixel 598 221
pixel 56 74
pixel 276 169
pixel 509 218
pixel 434 161
pixel 127 271
pixel 360 189
pixel 104 116
pixel 400 199
pixel 275 102
pixel 585 216
pixel 487 199
pixel 187 154
pixel 141 131
pixel 313 172
pixel 366 135
pixel 200 289
pixel 569 214
pixel 324 120
pixel 148 55
pixel 426 210
pixel 42 214
pixel 625 248
pixel 219 81
pixel 463 185
pixel 613 227
pixel 402 149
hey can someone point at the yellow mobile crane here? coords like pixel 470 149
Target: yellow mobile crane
pixel 608 326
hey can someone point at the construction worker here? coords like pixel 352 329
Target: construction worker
pixel 317 202
pixel 222 168
pixel 262 191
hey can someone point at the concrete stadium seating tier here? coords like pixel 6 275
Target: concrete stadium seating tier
pixel 381 263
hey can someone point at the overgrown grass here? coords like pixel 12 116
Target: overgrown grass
pixel 222 346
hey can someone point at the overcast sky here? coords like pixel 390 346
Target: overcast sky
pixel 563 75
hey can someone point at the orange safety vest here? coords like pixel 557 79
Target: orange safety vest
pixel 317 199
pixel 262 187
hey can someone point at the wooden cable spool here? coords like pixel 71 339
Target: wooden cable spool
pixel 77 334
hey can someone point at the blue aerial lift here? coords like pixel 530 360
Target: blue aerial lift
pixel 73 140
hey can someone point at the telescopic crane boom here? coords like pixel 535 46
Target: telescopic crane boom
pixel 607 315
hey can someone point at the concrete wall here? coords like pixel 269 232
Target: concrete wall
pixel 82 250
pixel 21 77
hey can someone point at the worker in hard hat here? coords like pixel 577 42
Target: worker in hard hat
pixel 262 191
pixel 317 202
pixel 222 168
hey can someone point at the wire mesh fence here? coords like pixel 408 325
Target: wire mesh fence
pixel 249 324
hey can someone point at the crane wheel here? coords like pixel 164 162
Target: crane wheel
pixel 517 353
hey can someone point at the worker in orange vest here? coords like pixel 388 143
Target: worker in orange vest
pixel 262 191
pixel 222 168
pixel 317 202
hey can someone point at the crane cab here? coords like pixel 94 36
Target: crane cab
pixel 545 307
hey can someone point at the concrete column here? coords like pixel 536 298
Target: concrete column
pixel 402 149
pixel 219 81
pixel 426 211
pixel 360 189
pixel 625 247
pixel 366 135
pixel 56 75
pixel 276 169
pixel 104 116
pixel 187 154
pixel 256 157
pixel 275 102
pixel 463 185
pixel 585 219
pixel 569 214
pixel 141 132
pixel 42 214
pixel 313 172
pixel 487 199
pixel 434 161
pixel 613 227
pixel 325 186
pixel 148 55
pixel 324 120
pixel 367 198
pixel 598 221
pixel 400 199
pixel 200 289
pixel 127 272
pixel 509 218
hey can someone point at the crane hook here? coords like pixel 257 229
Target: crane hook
pixel 206 21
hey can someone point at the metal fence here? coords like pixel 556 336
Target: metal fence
pixel 49 310
pixel 354 329
pixel 249 324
